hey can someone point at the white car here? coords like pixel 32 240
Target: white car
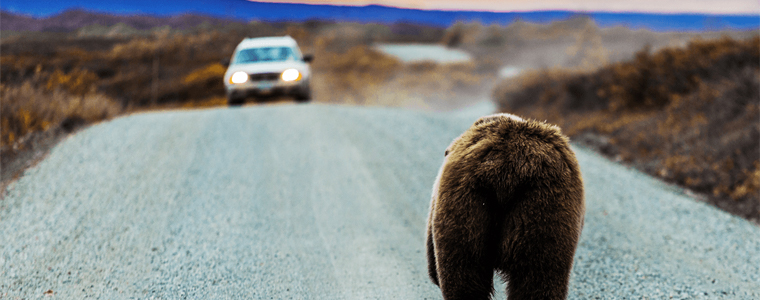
pixel 267 66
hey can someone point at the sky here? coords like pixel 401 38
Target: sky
pixel 651 6
pixel 41 8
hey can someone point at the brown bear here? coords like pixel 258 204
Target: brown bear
pixel 508 198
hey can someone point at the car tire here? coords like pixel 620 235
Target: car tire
pixel 232 101
pixel 303 97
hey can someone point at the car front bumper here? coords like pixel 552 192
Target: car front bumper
pixel 267 88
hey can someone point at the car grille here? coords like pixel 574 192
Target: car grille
pixel 264 76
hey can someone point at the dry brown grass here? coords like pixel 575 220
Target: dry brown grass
pixel 28 108
pixel 353 77
pixel 689 115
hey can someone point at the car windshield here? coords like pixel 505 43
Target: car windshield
pixel 264 54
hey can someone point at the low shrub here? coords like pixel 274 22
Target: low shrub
pixel 352 77
pixel 29 108
pixel 688 115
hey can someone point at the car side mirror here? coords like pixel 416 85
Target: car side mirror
pixel 308 58
pixel 225 62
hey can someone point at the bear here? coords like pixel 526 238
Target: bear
pixel 509 199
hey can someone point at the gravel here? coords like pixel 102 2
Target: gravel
pixel 318 202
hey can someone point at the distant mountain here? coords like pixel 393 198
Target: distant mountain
pixel 75 19
pixel 9 21
pixel 144 14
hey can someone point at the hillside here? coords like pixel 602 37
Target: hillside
pixel 687 115
pixel 71 20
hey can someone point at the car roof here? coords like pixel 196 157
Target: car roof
pixel 272 41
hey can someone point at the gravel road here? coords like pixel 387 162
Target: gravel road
pixel 318 202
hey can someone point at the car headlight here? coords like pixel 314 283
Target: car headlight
pixel 291 75
pixel 239 77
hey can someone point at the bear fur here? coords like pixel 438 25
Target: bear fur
pixel 508 198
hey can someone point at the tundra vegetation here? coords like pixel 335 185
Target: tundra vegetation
pixel 684 111
pixel 689 115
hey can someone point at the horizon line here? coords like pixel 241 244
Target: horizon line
pixel 176 13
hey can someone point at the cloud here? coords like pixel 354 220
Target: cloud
pixel 651 6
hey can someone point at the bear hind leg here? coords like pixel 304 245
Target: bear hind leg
pixel 465 249
pixel 539 268
pixel 463 277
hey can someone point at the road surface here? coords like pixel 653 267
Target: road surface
pixel 318 202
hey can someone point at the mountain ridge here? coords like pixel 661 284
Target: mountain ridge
pixel 143 16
